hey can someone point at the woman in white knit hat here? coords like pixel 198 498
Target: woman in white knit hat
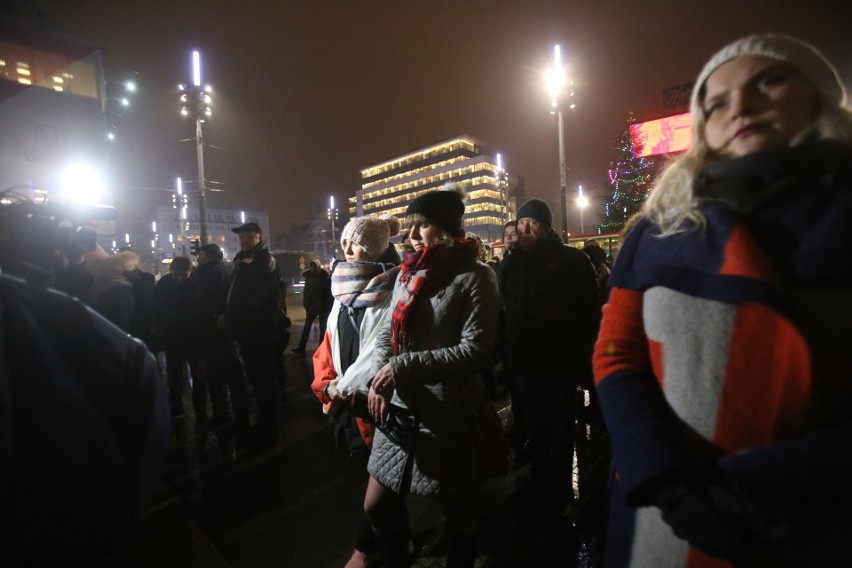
pixel 362 287
pixel 723 364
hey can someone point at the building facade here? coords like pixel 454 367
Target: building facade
pixel 174 238
pixel 388 187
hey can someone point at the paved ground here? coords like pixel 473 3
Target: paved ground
pixel 298 504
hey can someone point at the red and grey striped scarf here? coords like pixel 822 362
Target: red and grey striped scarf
pixel 362 284
pixel 424 272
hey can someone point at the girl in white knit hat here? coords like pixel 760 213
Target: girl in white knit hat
pixel 724 365
pixel 362 287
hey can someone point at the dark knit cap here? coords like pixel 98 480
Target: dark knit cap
pixel 444 208
pixel 538 210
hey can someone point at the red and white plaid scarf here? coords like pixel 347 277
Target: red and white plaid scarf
pixel 424 272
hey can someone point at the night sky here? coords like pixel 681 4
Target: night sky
pixel 308 92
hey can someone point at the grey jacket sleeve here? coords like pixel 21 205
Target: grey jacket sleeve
pixel 383 349
pixel 457 356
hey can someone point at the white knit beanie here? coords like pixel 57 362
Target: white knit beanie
pixel 372 233
pixel 804 57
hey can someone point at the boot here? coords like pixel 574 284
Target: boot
pixel 462 550
pixel 393 550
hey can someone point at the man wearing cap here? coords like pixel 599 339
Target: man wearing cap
pixel 549 293
pixel 251 319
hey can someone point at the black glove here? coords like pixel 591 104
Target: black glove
pixel 714 517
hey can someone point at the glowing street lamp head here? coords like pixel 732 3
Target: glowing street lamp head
pixel 179 186
pixel 196 68
pixel 130 86
pixel 499 162
pixel 81 183
pixel 556 77
pixel 242 216
pixel 331 202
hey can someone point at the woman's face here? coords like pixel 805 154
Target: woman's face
pixel 756 103
pixel 423 234
pixel 355 252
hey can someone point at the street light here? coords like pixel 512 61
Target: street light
pixel 332 216
pixel 556 83
pixel 196 101
pixel 582 203
pixel 123 100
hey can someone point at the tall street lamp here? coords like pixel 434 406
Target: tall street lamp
pixel 582 203
pixel 332 216
pixel 196 100
pixel 502 189
pixel 180 202
pixel 556 84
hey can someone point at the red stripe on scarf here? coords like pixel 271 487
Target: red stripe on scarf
pixel 423 273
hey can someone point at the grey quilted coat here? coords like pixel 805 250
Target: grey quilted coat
pixel 459 323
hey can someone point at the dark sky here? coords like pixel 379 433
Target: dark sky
pixel 308 92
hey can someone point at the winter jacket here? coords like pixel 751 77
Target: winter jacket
pixel 172 303
pixel 210 284
pixel 84 429
pixel 316 295
pixel 450 344
pixel 253 299
pixel 724 355
pixel 550 298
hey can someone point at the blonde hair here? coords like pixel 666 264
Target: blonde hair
pixel 673 205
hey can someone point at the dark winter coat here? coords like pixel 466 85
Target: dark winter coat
pixel 253 298
pixel 84 429
pixel 316 294
pixel 171 308
pixel 210 287
pixel 550 298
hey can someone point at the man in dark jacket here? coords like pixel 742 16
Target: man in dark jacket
pixel 251 319
pixel 212 357
pixel 549 293
pixel 171 298
pixel 316 297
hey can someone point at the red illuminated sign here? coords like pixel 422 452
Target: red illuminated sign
pixel 662 136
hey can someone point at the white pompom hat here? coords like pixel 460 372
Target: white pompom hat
pixel 803 56
pixel 372 233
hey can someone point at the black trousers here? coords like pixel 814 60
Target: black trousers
pixel 309 323
pixel 547 399
pixel 258 359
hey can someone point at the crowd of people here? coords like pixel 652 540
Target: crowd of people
pixel 713 349
pixel 719 361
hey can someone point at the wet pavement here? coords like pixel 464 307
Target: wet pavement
pixel 298 504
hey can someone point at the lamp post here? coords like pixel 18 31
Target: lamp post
pixel 582 203
pixel 556 82
pixel 196 100
pixel 332 216
pixel 180 202
pixel 502 189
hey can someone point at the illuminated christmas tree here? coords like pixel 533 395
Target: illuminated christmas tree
pixel 630 179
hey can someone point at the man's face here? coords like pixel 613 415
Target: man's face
pixel 202 258
pixel 510 235
pixel 249 240
pixel 529 231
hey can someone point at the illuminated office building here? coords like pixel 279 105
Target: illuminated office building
pixel 388 187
